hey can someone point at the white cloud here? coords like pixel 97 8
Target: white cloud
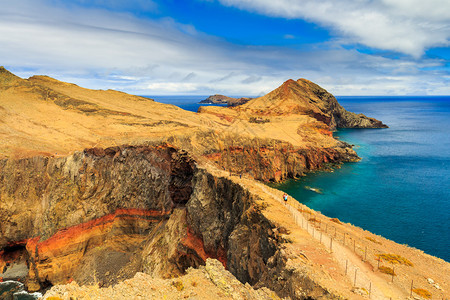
pixel 100 48
pixel 141 5
pixel 172 87
pixel 406 26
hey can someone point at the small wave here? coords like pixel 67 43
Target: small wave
pixel 313 189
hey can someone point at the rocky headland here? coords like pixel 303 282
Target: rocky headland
pixel 103 194
pixel 229 101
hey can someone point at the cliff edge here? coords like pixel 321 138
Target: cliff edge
pixel 98 186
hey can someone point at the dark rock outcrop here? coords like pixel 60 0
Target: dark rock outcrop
pixel 14 290
pixel 340 117
pixel 57 212
pixel 230 225
pixel 216 99
pixel 221 99
pixel 104 214
pixel 276 160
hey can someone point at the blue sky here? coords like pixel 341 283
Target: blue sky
pixel 232 47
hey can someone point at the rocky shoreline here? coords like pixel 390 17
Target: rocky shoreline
pixel 229 101
pixel 118 185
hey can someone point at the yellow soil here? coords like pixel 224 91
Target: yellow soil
pixel 44 116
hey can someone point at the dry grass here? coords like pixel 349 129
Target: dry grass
pixel 387 270
pixel 423 293
pixel 373 240
pixel 178 285
pixel 395 259
pixel 335 220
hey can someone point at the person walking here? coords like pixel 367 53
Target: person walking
pixel 285 198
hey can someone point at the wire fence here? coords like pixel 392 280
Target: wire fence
pixel 369 251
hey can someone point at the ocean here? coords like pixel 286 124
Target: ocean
pixel 190 103
pixel 401 187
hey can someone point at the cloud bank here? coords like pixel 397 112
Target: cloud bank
pixel 406 26
pixel 102 47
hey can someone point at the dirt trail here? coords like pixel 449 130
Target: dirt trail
pixel 367 282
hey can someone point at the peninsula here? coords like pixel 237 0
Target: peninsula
pixel 221 99
pixel 112 195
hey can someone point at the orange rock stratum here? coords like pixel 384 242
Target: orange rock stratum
pixel 110 195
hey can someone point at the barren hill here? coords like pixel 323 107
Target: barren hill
pixel 96 186
pixel 303 97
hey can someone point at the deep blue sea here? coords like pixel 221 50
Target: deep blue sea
pixel 190 103
pixel 401 187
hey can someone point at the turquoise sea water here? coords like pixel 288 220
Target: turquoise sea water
pixel 401 187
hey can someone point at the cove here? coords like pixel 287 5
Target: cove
pixel 401 188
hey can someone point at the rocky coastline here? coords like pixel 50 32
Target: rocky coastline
pixel 229 101
pixel 120 185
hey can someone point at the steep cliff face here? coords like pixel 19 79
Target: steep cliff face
pixel 266 159
pixel 278 161
pixel 102 215
pixel 229 222
pixel 221 221
pixel 63 216
pixel 339 116
pixel 57 212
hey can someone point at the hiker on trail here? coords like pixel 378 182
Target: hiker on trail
pixel 285 198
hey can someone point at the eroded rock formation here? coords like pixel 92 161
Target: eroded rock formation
pixel 211 281
pixel 75 206
pixel 56 212
pixel 102 215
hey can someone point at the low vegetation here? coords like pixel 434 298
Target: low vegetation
pixel 387 270
pixel 258 120
pixel 395 259
pixel 178 285
pixel 335 220
pixel 373 240
pixel 423 293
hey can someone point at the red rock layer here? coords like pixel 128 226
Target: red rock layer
pixel 193 242
pixel 55 259
pixel 277 163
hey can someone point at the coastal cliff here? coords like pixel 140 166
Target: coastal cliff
pixel 97 186
pixel 105 214
pixel 56 212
